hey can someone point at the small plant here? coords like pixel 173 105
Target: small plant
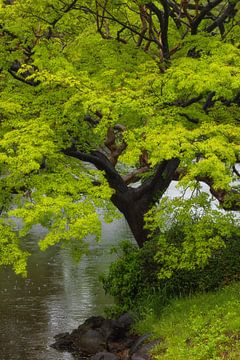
pixel 132 276
pixel 198 249
pixel 191 232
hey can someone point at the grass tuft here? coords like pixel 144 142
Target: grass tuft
pixel 200 327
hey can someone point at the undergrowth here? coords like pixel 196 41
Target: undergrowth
pixel 199 327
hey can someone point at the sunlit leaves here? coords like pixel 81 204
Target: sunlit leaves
pixel 10 250
pixel 190 231
pixel 84 84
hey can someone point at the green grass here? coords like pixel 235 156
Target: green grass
pixel 200 327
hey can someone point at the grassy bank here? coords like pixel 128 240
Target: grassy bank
pixel 200 327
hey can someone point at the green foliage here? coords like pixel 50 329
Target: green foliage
pixel 131 276
pixel 198 250
pixel 191 231
pixel 204 326
pixel 10 250
pixel 61 63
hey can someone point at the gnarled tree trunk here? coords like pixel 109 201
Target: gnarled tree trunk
pixel 133 203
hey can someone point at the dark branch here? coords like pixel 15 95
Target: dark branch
pixel 24 80
pixel 102 163
pixel 228 199
pixel 161 180
pixel 189 118
pixel 204 11
pixel 185 103
pixel 163 21
pixel 134 176
pixel 209 102
pixel 228 13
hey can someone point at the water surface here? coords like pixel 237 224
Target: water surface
pixel 56 297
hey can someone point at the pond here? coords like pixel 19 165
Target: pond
pixel 57 296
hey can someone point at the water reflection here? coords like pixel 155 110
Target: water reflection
pixel 56 297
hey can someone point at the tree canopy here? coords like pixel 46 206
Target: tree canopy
pixel 144 92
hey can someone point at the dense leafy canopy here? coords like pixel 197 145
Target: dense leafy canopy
pixel 141 90
pixel 191 233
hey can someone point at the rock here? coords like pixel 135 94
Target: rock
pixel 90 342
pixel 64 342
pixel 143 352
pixel 104 356
pixel 94 322
pixel 109 329
pixel 61 335
pixel 138 357
pixel 125 321
pixel 120 344
pixel 97 335
pixel 139 342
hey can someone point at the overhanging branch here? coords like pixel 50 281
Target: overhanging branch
pixel 102 163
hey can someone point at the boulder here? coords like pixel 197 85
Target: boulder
pixel 94 322
pixel 63 342
pixel 104 356
pixel 144 351
pixel 125 321
pixel 97 335
pixel 89 342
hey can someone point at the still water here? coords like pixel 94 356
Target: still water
pixel 56 297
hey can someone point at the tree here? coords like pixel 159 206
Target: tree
pixel 144 91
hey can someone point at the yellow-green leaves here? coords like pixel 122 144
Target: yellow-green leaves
pixel 11 253
pixel 63 85
pixel 190 232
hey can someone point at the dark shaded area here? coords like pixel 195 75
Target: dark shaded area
pixel 105 339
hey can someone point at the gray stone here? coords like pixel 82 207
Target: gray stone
pixel 63 342
pixel 104 355
pixel 137 357
pixel 94 322
pixel 125 321
pixel 144 351
pixel 90 342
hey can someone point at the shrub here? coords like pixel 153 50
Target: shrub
pixel 137 274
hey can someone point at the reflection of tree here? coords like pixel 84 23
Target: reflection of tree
pixel 82 288
pixel 22 307
pixel 57 295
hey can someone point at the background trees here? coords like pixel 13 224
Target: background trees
pixel 141 90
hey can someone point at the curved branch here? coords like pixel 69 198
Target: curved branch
pixel 229 12
pixel 22 79
pixel 206 10
pixel 228 199
pixel 134 175
pixel 161 180
pixel 102 163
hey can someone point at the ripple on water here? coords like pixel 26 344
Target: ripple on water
pixel 56 297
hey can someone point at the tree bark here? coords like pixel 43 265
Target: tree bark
pixel 133 210
pixel 133 203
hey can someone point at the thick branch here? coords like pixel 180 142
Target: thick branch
pixel 111 143
pixel 205 11
pixel 229 12
pixel 102 163
pixel 228 199
pixel 24 80
pixel 185 103
pixel 134 175
pixel 163 21
pixel 161 179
